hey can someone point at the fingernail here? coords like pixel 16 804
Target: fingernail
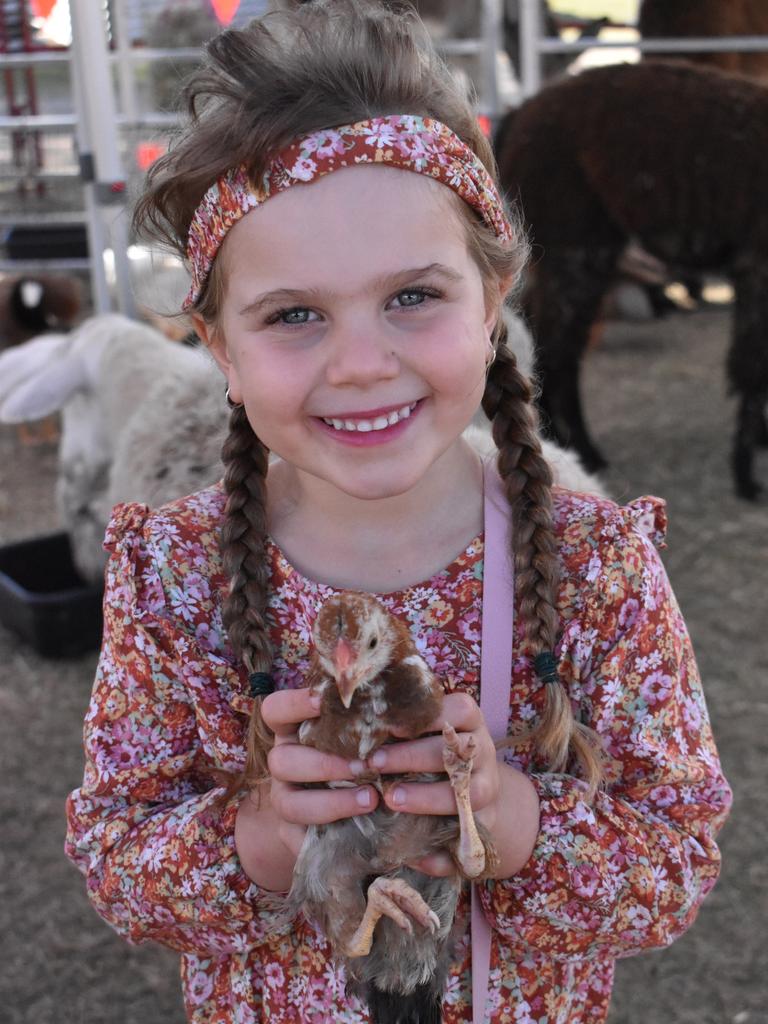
pixel 379 759
pixel 363 797
pixel 315 701
pixel 398 796
pixel 357 767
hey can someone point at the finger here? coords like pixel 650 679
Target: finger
pixel 320 806
pixel 436 797
pixel 426 755
pixel 422 755
pixel 284 710
pixel 460 710
pixel 292 762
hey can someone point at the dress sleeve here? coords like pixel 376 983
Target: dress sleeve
pixel 148 828
pixel 629 871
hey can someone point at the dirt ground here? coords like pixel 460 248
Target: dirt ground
pixel 655 396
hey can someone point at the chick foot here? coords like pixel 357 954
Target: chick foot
pixel 458 755
pixel 394 898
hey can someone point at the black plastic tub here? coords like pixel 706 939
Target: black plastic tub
pixel 44 601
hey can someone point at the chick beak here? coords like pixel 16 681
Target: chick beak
pixel 343 658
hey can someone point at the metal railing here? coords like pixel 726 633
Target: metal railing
pixel 534 45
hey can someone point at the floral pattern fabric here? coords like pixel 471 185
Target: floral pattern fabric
pixel 411 143
pixel 149 829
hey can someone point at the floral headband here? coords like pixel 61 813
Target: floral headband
pixel 411 143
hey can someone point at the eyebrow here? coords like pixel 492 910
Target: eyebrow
pixel 384 281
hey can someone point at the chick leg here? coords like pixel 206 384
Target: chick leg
pixel 458 755
pixel 390 897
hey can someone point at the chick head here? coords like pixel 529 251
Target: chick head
pixel 355 639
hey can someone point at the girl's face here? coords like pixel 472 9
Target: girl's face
pixel 354 327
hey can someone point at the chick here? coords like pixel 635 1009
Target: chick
pixel 390 924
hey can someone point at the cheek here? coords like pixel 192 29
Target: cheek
pixel 458 356
pixel 273 391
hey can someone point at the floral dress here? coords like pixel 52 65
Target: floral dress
pixel 149 829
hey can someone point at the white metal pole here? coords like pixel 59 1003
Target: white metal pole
pixel 89 29
pixel 530 57
pixel 491 34
pixel 125 77
pixel 97 241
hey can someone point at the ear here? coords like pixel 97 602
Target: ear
pixel 494 305
pixel 21 362
pixel 45 392
pixel 217 346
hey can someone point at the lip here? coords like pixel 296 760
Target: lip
pixel 369 414
pixel 358 439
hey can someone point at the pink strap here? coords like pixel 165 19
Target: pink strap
pixel 495 683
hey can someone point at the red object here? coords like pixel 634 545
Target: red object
pixel 147 153
pixel 225 10
pixel 485 124
pixel 42 8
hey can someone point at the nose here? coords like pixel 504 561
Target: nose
pixel 360 353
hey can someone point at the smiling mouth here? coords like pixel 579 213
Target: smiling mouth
pixel 364 426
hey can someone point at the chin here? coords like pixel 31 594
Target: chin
pixel 377 482
pixel 377 490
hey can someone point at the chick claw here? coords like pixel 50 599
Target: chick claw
pixel 394 898
pixel 458 756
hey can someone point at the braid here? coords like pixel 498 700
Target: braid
pixel 527 479
pixel 242 544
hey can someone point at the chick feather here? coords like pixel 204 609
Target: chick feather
pixel 391 925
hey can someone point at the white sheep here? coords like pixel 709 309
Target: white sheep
pixel 143 419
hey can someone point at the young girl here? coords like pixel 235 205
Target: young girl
pixel 350 255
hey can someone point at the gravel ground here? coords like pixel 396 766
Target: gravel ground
pixel 656 400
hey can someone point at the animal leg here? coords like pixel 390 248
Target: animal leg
pixel 394 898
pixel 458 755
pixel 568 287
pixel 748 424
pixel 748 372
pixel 762 436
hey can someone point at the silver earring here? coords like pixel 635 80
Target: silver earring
pixel 491 355
pixel 230 403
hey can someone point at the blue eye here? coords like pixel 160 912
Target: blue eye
pixel 296 316
pixel 411 297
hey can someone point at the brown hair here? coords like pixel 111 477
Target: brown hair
pixel 320 65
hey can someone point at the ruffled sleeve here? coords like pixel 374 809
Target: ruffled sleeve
pixel 149 828
pixel 628 872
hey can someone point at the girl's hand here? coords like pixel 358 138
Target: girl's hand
pixel 270 828
pixel 493 785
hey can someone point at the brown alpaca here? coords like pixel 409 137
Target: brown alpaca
pixel 606 157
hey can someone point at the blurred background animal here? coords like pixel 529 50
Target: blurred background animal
pixel 31 304
pixel 710 18
pixel 352 876
pixel 667 154
pixel 142 419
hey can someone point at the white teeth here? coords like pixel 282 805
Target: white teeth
pixel 380 423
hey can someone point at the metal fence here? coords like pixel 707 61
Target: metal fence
pixel 56 120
